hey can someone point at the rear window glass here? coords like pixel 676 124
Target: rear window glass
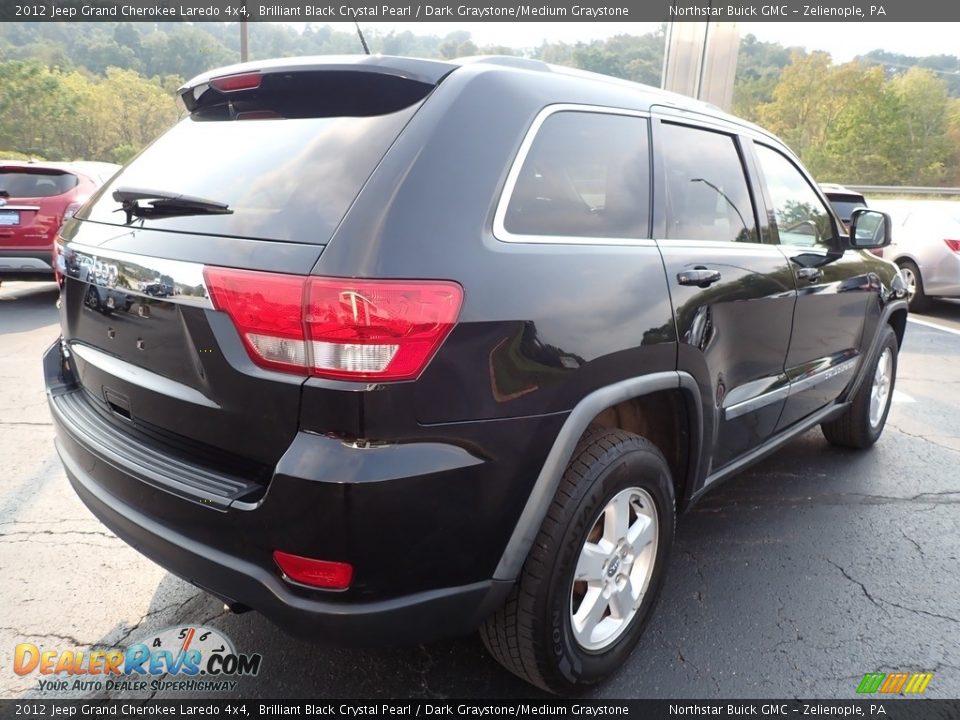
pixel 845 207
pixel 20 184
pixel 586 175
pixel 283 179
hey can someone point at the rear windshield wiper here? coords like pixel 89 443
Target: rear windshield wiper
pixel 162 203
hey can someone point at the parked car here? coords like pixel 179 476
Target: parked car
pixel 451 343
pixel 843 201
pixel 35 199
pixel 926 246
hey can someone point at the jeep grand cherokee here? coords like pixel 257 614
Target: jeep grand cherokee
pixel 447 345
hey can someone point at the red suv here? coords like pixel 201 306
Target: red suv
pixel 35 200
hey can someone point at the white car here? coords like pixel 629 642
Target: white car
pixel 926 246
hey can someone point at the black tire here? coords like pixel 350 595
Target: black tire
pixel 854 428
pixel 532 635
pixel 920 300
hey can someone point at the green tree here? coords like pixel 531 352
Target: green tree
pixel 924 103
pixel 841 120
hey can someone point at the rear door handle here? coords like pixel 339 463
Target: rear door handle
pixel 809 274
pixel 700 277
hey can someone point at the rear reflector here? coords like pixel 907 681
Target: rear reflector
pixel 316 573
pixel 232 83
pixel 337 327
pixel 953 245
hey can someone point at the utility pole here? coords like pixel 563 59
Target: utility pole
pixel 243 34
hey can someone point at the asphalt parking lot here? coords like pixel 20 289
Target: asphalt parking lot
pixel 791 580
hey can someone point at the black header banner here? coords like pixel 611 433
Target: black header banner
pixel 476 10
pixel 877 706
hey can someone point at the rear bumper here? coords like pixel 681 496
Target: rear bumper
pixel 26 263
pixel 405 516
pixel 416 618
pixel 942 277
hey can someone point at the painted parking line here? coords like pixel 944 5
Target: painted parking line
pixel 927 323
pixel 902 397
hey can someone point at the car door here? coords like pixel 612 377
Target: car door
pixel 833 286
pixel 733 294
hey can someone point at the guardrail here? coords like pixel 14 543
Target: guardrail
pixel 904 190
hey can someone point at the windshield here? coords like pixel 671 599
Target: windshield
pixel 283 179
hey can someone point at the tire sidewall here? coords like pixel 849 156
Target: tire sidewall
pixel 636 467
pixel 889 342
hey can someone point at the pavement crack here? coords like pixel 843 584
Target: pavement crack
pixel 913 542
pixel 56 636
pixel 32 533
pixel 925 438
pixel 866 593
pixel 880 602
pixel 698 569
pixel 177 608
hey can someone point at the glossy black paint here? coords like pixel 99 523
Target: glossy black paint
pixel 420 485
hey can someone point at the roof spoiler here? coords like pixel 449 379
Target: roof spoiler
pixel 223 83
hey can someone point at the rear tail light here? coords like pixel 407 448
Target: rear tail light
pixel 317 573
pixel 232 83
pixel 337 327
pixel 953 245
pixel 71 210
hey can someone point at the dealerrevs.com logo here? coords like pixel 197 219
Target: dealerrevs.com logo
pixel 188 658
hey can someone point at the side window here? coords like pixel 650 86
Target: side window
pixel 706 189
pixel 802 219
pixel 586 175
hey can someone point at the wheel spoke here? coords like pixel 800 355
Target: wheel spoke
pixel 589 615
pixel 616 519
pixel 622 602
pixel 590 563
pixel 641 534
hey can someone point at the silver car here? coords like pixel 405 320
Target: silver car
pixel 926 246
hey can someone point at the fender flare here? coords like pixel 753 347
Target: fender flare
pixel 547 482
pixel 883 320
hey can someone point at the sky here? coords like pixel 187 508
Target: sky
pixel 843 40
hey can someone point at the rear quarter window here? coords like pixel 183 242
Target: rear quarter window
pixel 585 175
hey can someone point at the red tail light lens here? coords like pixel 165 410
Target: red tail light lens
pixel 71 210
pixel 232 83
pixel 953 245
pixel 337 328
pixel 318 573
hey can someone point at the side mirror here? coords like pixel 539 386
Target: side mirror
pixel 869 229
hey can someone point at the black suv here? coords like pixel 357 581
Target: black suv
pixel 445 346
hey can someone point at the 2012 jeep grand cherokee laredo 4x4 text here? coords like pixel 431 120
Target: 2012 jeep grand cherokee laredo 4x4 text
pixel 418 347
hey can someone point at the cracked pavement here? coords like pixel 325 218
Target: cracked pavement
pixel 791 580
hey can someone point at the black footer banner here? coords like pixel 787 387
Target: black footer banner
pixel 875 707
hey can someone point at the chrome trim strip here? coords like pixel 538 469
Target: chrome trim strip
pixel 19 207
pixel 822 376
pixel 755 403
pixel 500 231
pixel 138 376
pixel 797 386
pixel 134 274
